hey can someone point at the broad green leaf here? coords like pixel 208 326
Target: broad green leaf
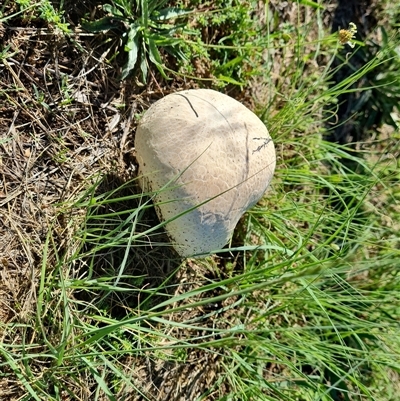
pixel 161 28
pixel 172 29
pixel 155 58
pixel 165 40
pixel 101 25
pixel 132 47
pixel 171 12
pixel 154 54
pixel 108 8
pixel 144 68
pixel 155 5
pixel 145 13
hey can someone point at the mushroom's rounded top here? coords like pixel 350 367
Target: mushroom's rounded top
pixel 204 149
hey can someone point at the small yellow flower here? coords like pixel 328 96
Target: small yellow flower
pixel 346 35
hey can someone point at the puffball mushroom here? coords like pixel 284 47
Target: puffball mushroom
pixel 208 159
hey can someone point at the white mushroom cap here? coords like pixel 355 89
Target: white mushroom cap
pixel 211 152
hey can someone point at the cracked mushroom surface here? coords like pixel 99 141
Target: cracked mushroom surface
pixel 208 159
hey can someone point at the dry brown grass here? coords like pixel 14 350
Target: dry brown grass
pixel 48 149
pixel 64 119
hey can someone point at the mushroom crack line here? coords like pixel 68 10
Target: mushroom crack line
pixel 263 145
pixel 190 104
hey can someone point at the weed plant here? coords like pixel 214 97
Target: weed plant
pixel 145 26
pixel 304 303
